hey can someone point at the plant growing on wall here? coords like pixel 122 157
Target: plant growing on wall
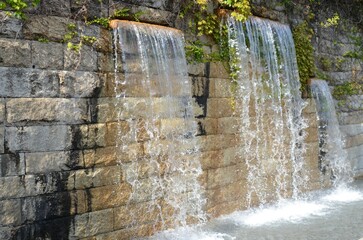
pixel 16 8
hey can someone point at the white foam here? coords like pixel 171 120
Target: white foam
pixel 291 211
pixel 190 233
pixel 343 194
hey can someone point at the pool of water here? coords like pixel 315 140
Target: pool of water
pixel 324 215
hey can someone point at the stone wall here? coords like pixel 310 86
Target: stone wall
pixel 59 176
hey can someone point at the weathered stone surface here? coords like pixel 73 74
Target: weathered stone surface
pixel 207 126
pixel 2 139
pixel 217 142
pixel 12 165
pixel 79 84
pixel 48 27
pixel 10 212
pixel 105 62
pixel 220 88
pixel 47 55
pixel 109 196
pixel 85 60
pixel 89 9
pixel 2 110
pixel 218 70
pixel 229 125
pixel 21 82
pixel 91 136
pixel 44 162
pixel 197 69
pixel 219 107
pixel 61 8
pixel 348 118
pixel 100 157
pixel 15 53
pixel 90 224
pixel 224 176
pixel 60 110
pixel 38 138
pixel 310 106
pixel 98 177
pixel 10 27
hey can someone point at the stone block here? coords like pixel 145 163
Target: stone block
pixel 231 192
pixel 6 232
pixel 200 86
pixel 2 139
pixel 61 8
pixel 15 53
pixel 197 69
pixel 38 138
pixel 224 176
pixel 46 206
pixel 2 110
pixel 229 125
pixel 100 157
pixel 224 208
pixel 217 142
pixel 90 224
pixel 79 84
pixel 105 62
pixel 89 9
pixel 220 88
pixel 108 109
pixel 12 165
pixel 348 118
pixel 47 55
pixel 98 177
pixel 85 60
pixel 49 27
pixel 10 212
pixel 219 107
pixel 354 141
pixel 108 196
pixel 310 106
pixel 218 70
pixel 22 82
pixel 61 110
pixel 44 162
pixel 10 27
pixel 207 126
pixel 90 136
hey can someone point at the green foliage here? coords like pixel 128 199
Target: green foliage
pixel 304 52
pixel 331 22
pixel 194 52
pixel 43 40
pixel 241 8
pixel 104 22
pixel 88 39
pixel 122 13
pixel 74 46
pixel 15 8
pixel 347 89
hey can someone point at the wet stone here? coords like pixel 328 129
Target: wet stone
pixel 12 165
pixel 79 84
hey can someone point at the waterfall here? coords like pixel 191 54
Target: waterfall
pixel 332 158
pixel 157 147
pixel 269 101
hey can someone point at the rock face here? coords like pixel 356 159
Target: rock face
pixel 59 172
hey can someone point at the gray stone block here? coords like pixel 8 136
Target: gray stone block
pixel 85 60
pixel 12 165
pixel 10 27
pixel 61 110
pixel 22 82
pixel 60 8
pixel 38 138
pixel 49 27
pixel 10 212
pixel 15 53
pixel 43 162
pixel 2 139
pixel 89 9
pixel 47 55
pixel 2 110
pixel 79 84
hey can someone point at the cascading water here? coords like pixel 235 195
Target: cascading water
pixel 271 108
pixel 157 147
pixel 333 158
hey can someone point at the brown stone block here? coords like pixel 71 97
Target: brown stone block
pixel 10 212
pixel 97 177
pixel 108 196
pixel 224 208
pixel 220 88
pixel 231 192
pixel 208 126
pixel 219 107
pixel 224 176
pixel 217 142
pixel 210 159
pixel 218 70
pixel 229 125
pixel 100 157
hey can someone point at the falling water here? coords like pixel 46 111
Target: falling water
pixel 333 158
pixel 271 108
pixel 156 128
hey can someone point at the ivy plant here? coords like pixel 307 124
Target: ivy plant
pixel 16 8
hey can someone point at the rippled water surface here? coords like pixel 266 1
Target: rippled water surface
pixel 325 215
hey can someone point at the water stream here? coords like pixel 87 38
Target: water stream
pixel 157 148
pixel 333 157
pixel 269 98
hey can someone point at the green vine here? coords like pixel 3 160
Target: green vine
pixel 347 89
pixel 302 35
pixel 16 8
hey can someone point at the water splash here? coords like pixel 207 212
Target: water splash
pixel 271 108
pixel 157 148
pixel 333 158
